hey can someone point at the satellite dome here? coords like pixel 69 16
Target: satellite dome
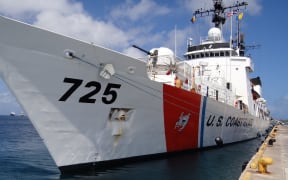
pixel 162 51
pixel 165 56
pixel 214 34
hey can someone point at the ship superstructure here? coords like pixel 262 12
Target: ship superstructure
pixel 215 68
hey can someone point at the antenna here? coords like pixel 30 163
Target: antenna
pixel 218 12
pixel 243 49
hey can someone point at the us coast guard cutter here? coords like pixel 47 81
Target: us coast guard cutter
pixel 92 105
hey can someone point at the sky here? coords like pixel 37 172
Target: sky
pixel 153 23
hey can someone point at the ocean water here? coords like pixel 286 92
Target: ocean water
pixel 24 156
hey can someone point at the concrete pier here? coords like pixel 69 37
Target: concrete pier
pixel 271 160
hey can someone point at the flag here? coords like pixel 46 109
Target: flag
pixel 193 19
pixel 240 16
pixel 231 13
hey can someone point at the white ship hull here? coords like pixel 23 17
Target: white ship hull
pixel 102 119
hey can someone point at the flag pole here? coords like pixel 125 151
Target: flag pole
pixel 175 41
pixel 231 34
pixel 238 32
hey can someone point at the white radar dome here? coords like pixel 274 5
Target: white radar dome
pixel 165 56
pixel 214 34
pixel 162 51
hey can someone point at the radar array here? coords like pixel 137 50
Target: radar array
pixel 218 12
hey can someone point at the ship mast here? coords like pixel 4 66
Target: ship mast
pixel 218 12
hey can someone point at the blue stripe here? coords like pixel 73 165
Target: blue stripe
pixel 202 120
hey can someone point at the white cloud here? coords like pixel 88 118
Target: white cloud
pixel 82 26
pixel 22 8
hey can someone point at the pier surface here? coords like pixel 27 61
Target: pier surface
pixel 274 151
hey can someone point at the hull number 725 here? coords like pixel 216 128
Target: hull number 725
pixel 108 97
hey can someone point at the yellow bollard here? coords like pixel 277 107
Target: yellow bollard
pixel 262 164
pixel 253 165
pixel 272 134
